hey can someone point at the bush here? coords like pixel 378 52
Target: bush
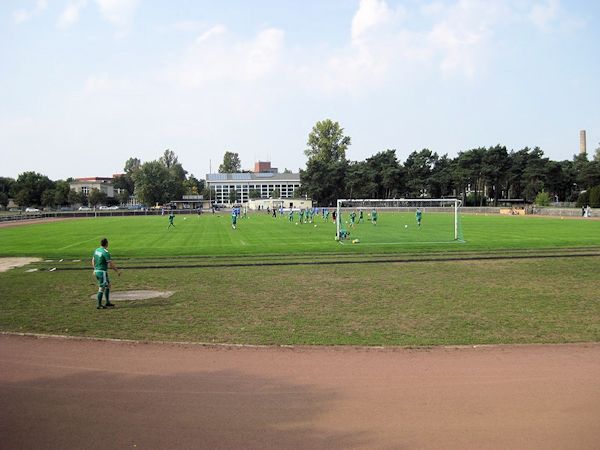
pixel 542 199
pixel 594 197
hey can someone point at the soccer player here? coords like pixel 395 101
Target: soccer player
pixel 374 216
pixel 171 219
pixel 326 215
pixel 291 216
pixel 360 216
pixel 301 215
pixel 352 218
pixel 344 234
pixel 101 261
pixel 418 216
pixel 233 218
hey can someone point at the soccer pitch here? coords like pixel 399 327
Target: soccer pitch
pixel 263 235
pixel 270 281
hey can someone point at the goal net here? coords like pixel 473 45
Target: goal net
pixel 398 221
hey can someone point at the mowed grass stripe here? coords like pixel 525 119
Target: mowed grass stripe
pixel 212 235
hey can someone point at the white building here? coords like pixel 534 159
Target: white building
pixel 85 185
pixel 242 183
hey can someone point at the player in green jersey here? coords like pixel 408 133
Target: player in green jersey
pixel 291 215
pixel 101 261
pixel 352 219
pixel 233 219
pixel 171 219
pixel 360 216
pixel 374 216
pixel 418 216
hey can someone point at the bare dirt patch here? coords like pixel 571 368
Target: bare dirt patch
pixel 11 263
pixel 185 396
pixel 137 295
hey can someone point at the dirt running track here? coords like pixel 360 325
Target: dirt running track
pixel 62 393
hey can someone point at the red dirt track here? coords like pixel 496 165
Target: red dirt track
pixel 65 393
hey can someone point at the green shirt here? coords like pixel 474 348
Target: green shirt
pixel 101 259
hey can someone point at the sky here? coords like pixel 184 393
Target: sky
pixel 86 84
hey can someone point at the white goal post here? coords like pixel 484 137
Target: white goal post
pixel 449 205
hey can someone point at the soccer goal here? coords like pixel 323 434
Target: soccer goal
pixel 398 221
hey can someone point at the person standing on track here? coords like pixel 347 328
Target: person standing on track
pixel 101 261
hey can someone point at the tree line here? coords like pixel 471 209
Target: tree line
pixel 152 182
pixel 478 176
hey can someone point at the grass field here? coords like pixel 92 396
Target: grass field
pixel 514 280
pixel 211 235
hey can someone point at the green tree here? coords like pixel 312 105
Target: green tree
pixel 96 197
pixel 23 198
pixel 3 199
pixel 231 163
pixel 594 197
pixel 275 193
pixel 76 198
pixel 124 181
pixel 494 165
pixel 441 181
pixel 61 192
pixel 326 167
pixel 30 186
pixel 254 194
pixel 177 175
pixel 419 168
pixel 326 142
pixel 323 181
pixel 193 186
pixel 542 199
pixel 6 185
pixel 152 183
pixel 534 173
pixel 131 165
pixel 48 197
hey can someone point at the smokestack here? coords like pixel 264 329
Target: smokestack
pixel 582 143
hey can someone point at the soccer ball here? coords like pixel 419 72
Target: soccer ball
pixel 315 225
pixel 355 241
pixel 405 226
pixel 296 223
pixel 185 218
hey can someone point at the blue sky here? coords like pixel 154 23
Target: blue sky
pixel 85 84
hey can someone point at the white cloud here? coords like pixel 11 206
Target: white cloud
pixel 70 14
pixel 544 14
pixel 118 12
pixel 23 15
pixel 217 57
pixel 370 15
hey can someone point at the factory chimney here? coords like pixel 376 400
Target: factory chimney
pixel 582 143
